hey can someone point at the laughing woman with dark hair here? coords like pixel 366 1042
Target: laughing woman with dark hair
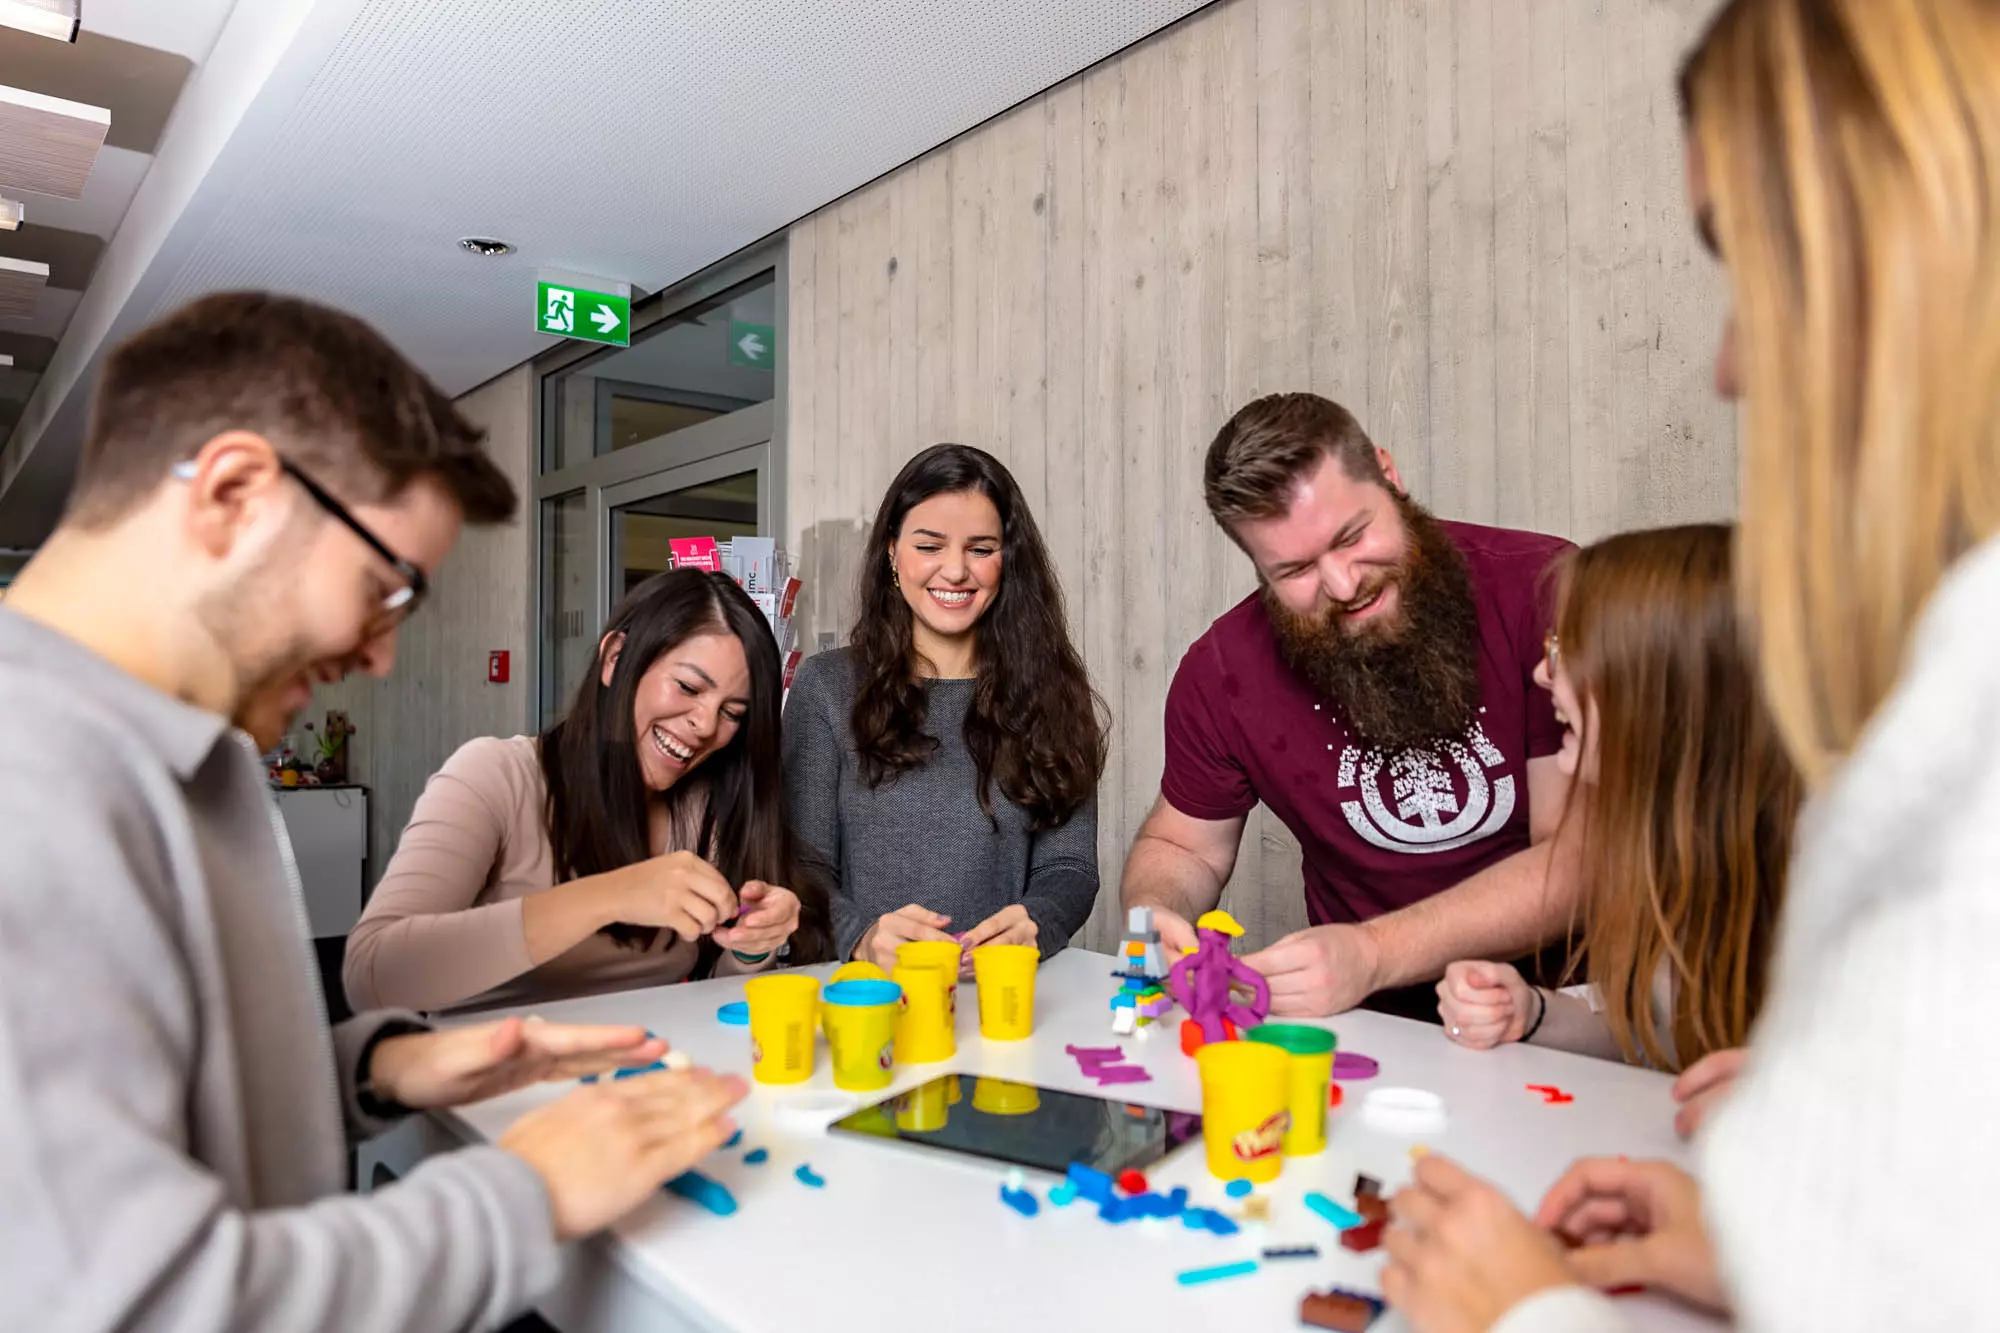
pixel 641 840
pixel 942 770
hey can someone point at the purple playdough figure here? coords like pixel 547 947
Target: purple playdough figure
pixel 1200 981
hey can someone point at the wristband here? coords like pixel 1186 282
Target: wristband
pixel 374 1102
pixel 1541 1012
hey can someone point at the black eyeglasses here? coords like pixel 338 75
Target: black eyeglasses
pixel 399 604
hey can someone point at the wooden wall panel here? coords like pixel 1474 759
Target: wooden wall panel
pixel 1460 218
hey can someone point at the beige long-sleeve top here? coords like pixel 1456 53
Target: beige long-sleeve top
pixel 444 927
pixel 1848 1180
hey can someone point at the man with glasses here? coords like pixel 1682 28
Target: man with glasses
pixel 265 492
pixel 1377 693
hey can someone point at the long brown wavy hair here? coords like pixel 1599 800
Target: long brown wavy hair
pixel 1034 727
pixel 1688 825
pixel 730 809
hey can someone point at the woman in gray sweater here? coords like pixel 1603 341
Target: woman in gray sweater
pixel 942 770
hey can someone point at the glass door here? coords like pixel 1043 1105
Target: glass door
pixel 726 496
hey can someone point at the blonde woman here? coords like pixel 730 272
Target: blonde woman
pixel 1844 159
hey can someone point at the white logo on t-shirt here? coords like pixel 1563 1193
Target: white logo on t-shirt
pixel 1409 800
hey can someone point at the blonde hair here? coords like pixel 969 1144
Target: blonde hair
pixel 1688 826
pixel 1852 150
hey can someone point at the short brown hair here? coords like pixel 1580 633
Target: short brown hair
pixel 328 391
pixel 1260 455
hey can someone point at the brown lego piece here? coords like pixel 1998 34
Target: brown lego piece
pixel 1372 1207
pixel 1343 1311
pixel 1362 1239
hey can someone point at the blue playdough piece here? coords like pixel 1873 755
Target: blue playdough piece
pixel 734 1139
pixel 588 1078
pixel 1207 1219
pixel 1340 1217
pixel 757 1157
pixel 1063 1195
pixel 1236 1189
pixel 709 1193
pixel 736 1015
pixel 1021 1201
pixel 1194 1277
pixel 637 1070
pixel 1177 1201
pixel 807 1176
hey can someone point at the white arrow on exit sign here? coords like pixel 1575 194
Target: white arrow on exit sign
pixel 752 346
pixel 606 320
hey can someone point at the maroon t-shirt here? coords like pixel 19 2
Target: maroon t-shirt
pixel 1379 831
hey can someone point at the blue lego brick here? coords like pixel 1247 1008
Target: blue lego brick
pixel 1090 1183
pixel 1341 1218
pixel 1196 1276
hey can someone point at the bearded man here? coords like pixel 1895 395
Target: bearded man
pixel 1377 693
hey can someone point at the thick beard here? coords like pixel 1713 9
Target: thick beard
pixel 1409 685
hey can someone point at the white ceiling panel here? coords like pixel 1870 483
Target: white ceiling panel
pixel 640 143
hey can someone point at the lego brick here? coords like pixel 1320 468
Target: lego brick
pixel 1339 1309
pixel 1372 1207
pixel 1090 1183
pixel 1364 1238
pixel 1196 1276
pixel 1021 1201
pixel 1366 1184
pixel 1293 1252
pixel 1341 1218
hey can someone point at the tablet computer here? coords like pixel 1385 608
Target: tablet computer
pixel 1020 1124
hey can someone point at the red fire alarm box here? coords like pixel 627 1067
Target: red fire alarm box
pixel 496 667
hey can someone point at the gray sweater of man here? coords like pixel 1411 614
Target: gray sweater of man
pixel 921 836
pixel 172 1102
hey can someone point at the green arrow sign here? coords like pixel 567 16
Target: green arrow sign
pixel 753 345
pixel 573 312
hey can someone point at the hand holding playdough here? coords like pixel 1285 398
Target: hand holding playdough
pixel 1635 1223
pixel 891 932
pixel 1317 972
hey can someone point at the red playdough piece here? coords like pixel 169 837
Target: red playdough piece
pixel 1132 1182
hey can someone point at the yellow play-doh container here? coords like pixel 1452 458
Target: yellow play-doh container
pixel 922 1108
pixel 1006 977
pixel 937 953
pixel 860 1018
pixel 925 1031
pixel 1310 1051
pixel 783 1022
pixel 1245 1086
pixel 999 1096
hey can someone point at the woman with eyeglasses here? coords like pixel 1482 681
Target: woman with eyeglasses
pixel 1844 163
pixel 1685 799
pixel 640 840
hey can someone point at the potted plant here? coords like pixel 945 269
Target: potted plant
pixel 330 746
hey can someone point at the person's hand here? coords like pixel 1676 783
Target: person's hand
pixel 1484 1004
pixel 1176 935
pixel 678 891
pixel 1010 925
pixel 1317 972
pixel 604 1149
pixel 1635 1224
pixel 1702 1085
pixel 770 915
pixel 898 928
pixel 1461 1255
pixel 469 1064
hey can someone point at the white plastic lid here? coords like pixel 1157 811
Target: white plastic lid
pixel 1407 1111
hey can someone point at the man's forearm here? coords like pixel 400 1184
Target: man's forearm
pixel 1506 910
pixel 1161 874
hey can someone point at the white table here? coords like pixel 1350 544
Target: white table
pixel 903 1238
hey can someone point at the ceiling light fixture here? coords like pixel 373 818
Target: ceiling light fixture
pixel 60 19
pixel 485 247
pixel 11 214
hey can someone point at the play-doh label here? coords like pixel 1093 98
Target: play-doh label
pixel 1266 1140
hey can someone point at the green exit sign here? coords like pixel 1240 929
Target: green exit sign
pixel 574 312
